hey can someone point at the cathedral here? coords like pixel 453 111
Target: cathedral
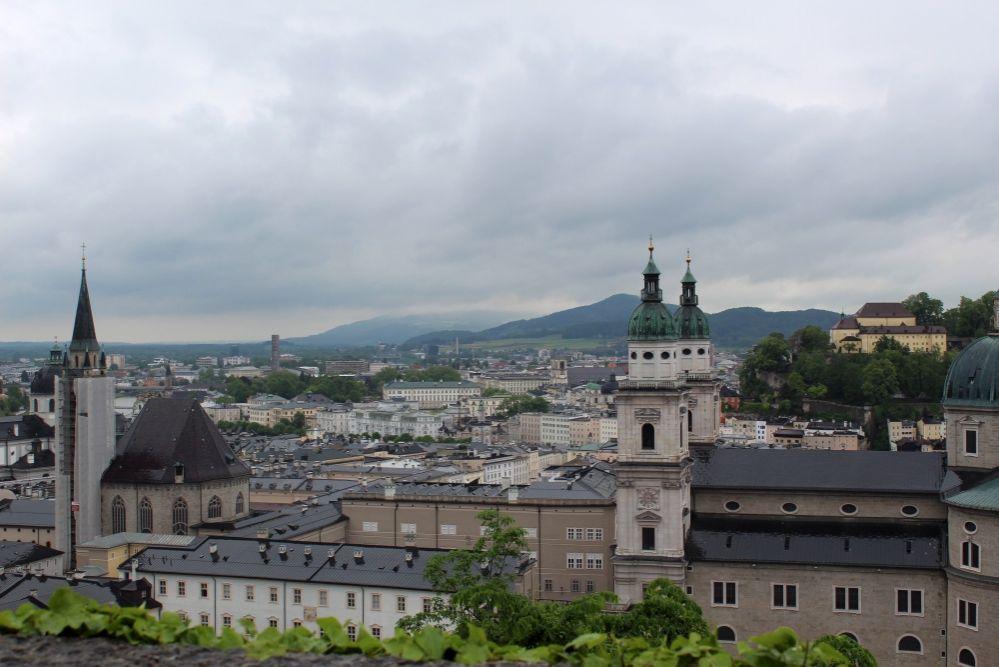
pixel 171 473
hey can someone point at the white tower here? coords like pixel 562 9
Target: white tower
pixel 695 361
pixel 653 466
pixel 85 433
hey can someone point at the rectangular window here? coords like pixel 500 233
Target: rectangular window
pixel 351 600
pixel 163 587
pixel 272 622
pixel 376 602
pixel 846 598
pixel 648 538
pixel 594 534
pixel 370 526
pixel 181 589
pixel 574 561
pixel 296 596
pixel 226 621
pixel 204 620
pixel 352 632
pixel 573 533
pixel 908 602
pixel 400 603
pixel 226 591
pixel 724 594
pixel 971 556
pixel 574 586
pixel 324 598
pixel 531 532
pixel 273 594
pixel 594 561
pixel 449 529
pixel 549 585
pixel 249 593
pixel 967 614
pixel 204 590
pixel 376 632
pixel 407 528
pixel 589 586
pixel 971 443
pixel 785 596
pixel 428 605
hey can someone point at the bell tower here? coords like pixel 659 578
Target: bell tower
pixel 85 433
pixel 653 466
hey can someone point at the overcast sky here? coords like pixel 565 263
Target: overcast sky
pixel 238 169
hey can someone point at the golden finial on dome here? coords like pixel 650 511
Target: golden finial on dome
pixel 652 246
pixel 688 258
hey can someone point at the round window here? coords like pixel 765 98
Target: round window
pixel 848 508
pixel 686 350
pixel 634 355
pixel 789 508
pixel 647 355
pixel 732 506
pixel 664 355
pixel 700 350
pixel 970 527
pixel 910 510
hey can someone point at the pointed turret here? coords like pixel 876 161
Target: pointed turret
pixel 84 332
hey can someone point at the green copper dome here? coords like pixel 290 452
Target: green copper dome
pixel 973 378
pixel 651 320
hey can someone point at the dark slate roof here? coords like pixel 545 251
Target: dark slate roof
pixel 27 427
pixel 290 522
pixel 27 513
pixel 43 381
pixel 240 557
pixel 883 309
pixel 973 378
pixel 849 322
pixel 435 489
pixel 84 333
pixel 817 470
pixel 170 431
pixel 582 374
pixel 16 590
pixel 850 544
pixel 23 553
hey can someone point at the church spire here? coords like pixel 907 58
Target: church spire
pixel 689 295
pixel 651 291
pixel 84 333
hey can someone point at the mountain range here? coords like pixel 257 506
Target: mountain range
pixel 733 328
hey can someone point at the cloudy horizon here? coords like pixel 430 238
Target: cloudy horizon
pixel 241 169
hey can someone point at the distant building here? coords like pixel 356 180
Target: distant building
pixel 432 394
pixel 861 331
pixel 347 367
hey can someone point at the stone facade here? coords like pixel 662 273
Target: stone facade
pixel 162 498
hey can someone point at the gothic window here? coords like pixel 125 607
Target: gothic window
pixel 239 503
pixel 214 508
pixel 117 515
pixel 145 516
pixel 648 436
pixel 690 421
pixel 180 517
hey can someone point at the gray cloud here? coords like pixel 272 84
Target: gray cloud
pixel 239 169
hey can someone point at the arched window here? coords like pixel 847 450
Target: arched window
pixel 966 658
pixel 690 421
pixel 849 635
pixel 117 515
pixel 51 405
pixel 910 644
pixel 648 436
pixel 239 503
pixel 215 508
pixel 145 516
pixel 180 517
pixel 725 634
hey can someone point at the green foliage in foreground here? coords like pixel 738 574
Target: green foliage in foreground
pixel 72 615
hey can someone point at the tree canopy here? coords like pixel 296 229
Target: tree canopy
pixel 522 403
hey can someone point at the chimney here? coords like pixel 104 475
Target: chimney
pixel 390 489
pixel 513 495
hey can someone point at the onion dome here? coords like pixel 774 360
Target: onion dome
pixel 690 321
pixel 651 320
pixel 973 378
